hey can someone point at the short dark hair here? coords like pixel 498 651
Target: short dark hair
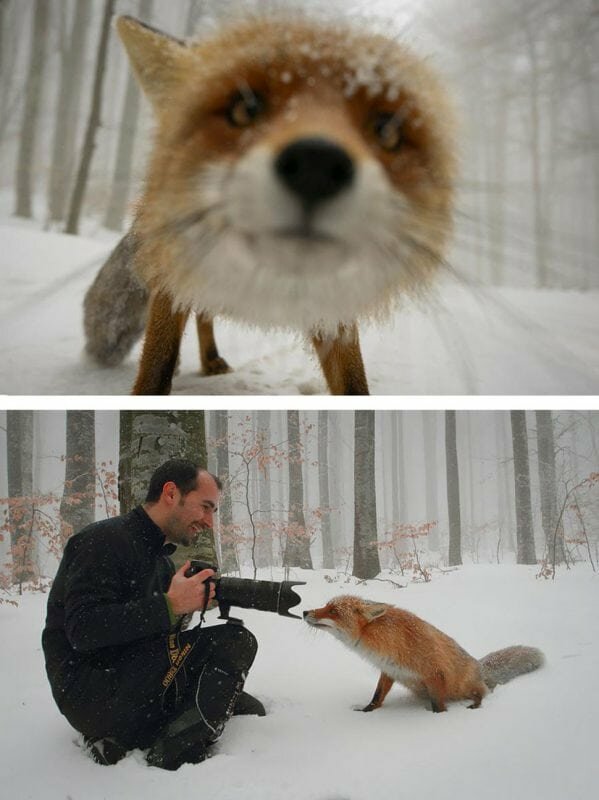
pixel 182 472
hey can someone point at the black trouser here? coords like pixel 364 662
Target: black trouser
pixel 157 681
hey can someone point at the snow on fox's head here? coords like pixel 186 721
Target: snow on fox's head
pixel 346 616
pixel 302 170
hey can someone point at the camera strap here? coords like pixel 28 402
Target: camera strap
pixel 206 600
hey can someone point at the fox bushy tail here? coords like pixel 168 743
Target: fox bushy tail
pixel 502 666
pixel 115 306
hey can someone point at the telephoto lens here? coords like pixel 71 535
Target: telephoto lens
pixel 275 596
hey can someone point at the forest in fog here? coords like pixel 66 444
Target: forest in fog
pixel 364 492
pixel 74 132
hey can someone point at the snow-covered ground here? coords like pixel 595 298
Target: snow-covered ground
pixel 533 738
pixel 467 341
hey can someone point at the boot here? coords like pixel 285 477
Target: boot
pixel 106 751
pixel 247 704
pixel 206 709
pixel 184 741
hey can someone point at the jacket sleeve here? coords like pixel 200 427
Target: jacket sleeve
pixel 103 605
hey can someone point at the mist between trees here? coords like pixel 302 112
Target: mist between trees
pixel 394 494
pixel 74 132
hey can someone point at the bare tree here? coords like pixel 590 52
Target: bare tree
pixel 429 430
pixel 453 490
pixel 366 554
pixel 297 549
pixel 72 63
pixel 78 504
pixel 328 559
pixel 264 554
pixel 93 123
pixel 147 439
pixel 524 525
pixel 31 108
pixel 127 138
pixel 19 468
pixel 229 560
pixel 548 486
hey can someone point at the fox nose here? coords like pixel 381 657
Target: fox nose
pixel 314 169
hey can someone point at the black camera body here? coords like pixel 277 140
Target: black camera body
pixel 275 596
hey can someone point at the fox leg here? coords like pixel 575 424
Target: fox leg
pixel 161 347
pixel 341 361
pixel 437 691
pixel 381 691
pixel 211 362
pixel 476 695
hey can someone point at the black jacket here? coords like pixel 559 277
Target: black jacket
pixel 107 595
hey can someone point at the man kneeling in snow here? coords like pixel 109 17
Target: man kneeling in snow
pixel 122 671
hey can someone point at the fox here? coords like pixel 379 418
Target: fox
pixel 414 653
pixel 301 178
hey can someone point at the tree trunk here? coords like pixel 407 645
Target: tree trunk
pixel 264 555
pixel 524 526
pixel 19 468
pixel 148 438
pixel 93 124
pixel 297 549
pixel 67 111
pixel 453 490
pixel 123 167
pixel 366 554
pixel 229 560
pixel 548 486
pixel 78 504
pixel 429 429
pixel 31 108
pixel 328 560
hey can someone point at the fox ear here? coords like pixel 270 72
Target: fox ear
pixel 375 610
pixel 158 59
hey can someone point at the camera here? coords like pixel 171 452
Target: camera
pixel 275 596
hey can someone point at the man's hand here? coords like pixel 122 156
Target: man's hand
pixel 189 594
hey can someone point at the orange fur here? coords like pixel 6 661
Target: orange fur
pixel 406 648
pixel 219 231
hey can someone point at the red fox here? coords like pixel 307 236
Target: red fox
pixel 411 651
pixel 301 178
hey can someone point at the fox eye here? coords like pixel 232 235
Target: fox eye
pixel 333 612
pixel 244 108
pixel 388 130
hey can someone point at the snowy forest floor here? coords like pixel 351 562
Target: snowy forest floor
pixel 534 738
pixel 469 341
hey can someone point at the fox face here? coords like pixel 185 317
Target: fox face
pixel 302 173
pixel 346 617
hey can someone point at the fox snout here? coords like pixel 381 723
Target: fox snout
pixel 318 618
pixel 314 169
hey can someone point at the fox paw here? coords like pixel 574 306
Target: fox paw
pixel 216 366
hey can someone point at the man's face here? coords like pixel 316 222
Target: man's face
pixel 193 513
